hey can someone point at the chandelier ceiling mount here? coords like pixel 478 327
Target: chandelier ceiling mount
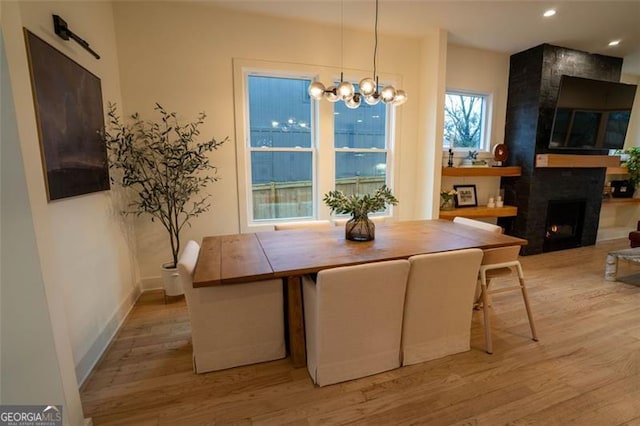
pixel 368 87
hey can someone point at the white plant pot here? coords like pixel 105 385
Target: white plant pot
pixel 171 281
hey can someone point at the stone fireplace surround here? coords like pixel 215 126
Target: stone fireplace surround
pixel 534 79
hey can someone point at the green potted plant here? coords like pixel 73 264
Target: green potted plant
pixel 446 199
pixel 471 157
pixel 359 227
pixel 633 165
pixel 164 167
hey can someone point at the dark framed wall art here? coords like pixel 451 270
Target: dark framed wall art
pixel 466 196
pixel 68 104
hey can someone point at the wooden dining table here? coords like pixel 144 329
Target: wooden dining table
pixel 239 258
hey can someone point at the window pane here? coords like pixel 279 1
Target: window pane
pixel 281 184
pixel 362 127
pixel 360 173
pixel 279 112
pixel 463 121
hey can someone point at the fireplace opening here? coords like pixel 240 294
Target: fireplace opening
pixel 565 219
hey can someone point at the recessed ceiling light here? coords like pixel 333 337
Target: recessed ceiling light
pixel 614 42
pixel 549 13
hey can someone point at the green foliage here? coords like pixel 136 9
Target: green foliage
pixel 633 165
pixel 162 163
pixel 447 195
pixel 359 205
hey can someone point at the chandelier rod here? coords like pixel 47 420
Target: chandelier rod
pixel 375 46
pixel 367 88
pixel 341 38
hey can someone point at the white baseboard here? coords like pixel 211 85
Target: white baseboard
pixel 613 233
pixel 102 341
pixel 153 283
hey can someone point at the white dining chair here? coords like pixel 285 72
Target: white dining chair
pixel 315 224
pixel 235 324
pixel 478 224
pixel 484 226
pixel 500 262
pixel 353 320
pixel 439 305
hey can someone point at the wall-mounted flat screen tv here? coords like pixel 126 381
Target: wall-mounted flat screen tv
pixel 591 114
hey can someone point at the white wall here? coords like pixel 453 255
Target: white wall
pixel 36 363
pixel 180 54
pixel 28 361
pixel 86 260
pixel 433 57
pixel 482 71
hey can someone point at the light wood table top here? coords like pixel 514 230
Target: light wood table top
pixel 299 252
pixel 230 259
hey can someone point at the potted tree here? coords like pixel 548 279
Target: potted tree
pixel 163 166
pixel 359 227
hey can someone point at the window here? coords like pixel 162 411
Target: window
pixel 295 149
pixel 361 148
pixel 465 121
pixel 281 146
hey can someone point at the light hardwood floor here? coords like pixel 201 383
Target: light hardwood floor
pixel 585 370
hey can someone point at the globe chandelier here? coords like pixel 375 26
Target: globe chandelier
pixel 368 87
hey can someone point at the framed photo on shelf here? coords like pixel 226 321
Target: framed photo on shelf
pixel 466 196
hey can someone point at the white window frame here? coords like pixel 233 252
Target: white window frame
pixel 485 130
pixel 312 149
pixel 323 173
pixel 389 142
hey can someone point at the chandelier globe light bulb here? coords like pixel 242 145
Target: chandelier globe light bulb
pixel 373 99
pixel 388 94
pixel 367 86
pixel 401 97
pixel 345 90
pixel 331 94
pixel 316 90
pixel 354 102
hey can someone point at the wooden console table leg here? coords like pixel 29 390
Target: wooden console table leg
pixel 297 344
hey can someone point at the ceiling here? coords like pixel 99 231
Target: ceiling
pixel 508 26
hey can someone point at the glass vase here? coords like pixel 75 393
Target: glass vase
pixel 360 228
pixel 447 204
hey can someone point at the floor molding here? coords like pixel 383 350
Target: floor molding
pixel 86 365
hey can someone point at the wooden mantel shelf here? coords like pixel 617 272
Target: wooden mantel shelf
pixel 577 161
pixel 621 200
pixel 482 171
pixel 481 211
pixel 620 170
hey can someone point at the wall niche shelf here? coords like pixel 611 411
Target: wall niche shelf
pixel 577 161
pixel 482 171
pixel 480 212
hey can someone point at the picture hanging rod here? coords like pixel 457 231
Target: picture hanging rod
pixel 60 27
